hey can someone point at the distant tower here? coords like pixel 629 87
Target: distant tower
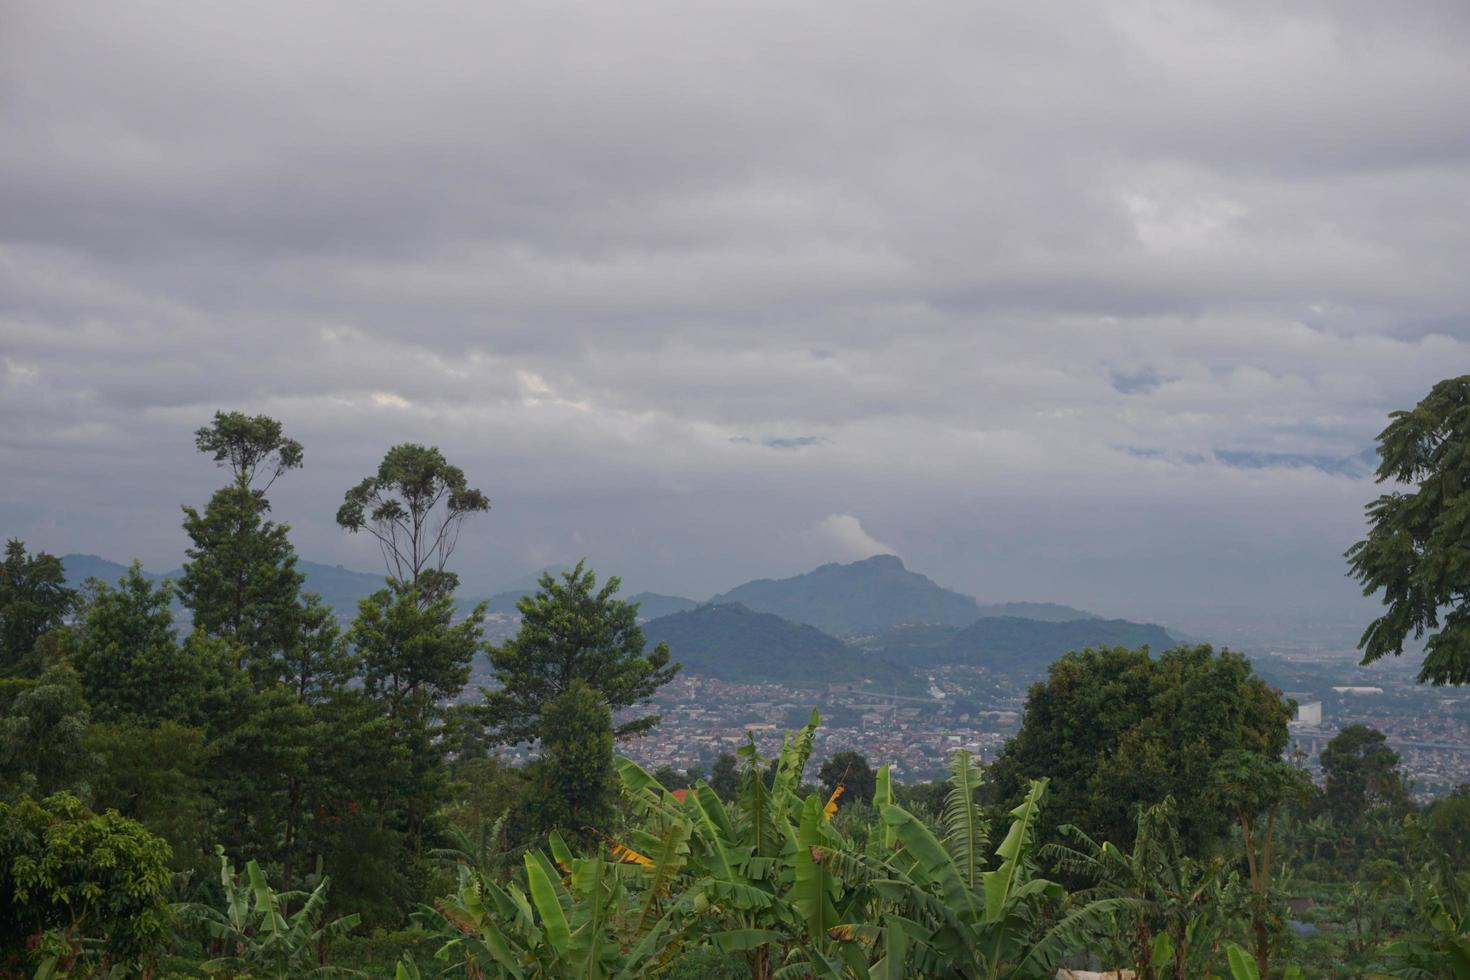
pixel 1308 715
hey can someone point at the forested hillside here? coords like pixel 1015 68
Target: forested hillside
pixel 734 643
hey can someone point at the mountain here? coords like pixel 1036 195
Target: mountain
pixel 732 642
pixel 863 597
pixel 1021 648
pixel 1042 612
pixel 79 568
pixel 651 605
pixel 339 587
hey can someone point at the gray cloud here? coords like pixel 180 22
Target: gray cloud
pixel 1083 304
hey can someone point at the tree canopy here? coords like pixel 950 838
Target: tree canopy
pixel 414 506
pixel 571 630
pixel 33 599
pixel 1362 775
pixel 1416 550
pixel 250 446
pixel 1116 728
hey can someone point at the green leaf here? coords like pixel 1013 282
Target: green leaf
pixel 544 895
pixel 1242 966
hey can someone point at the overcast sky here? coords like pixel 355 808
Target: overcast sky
pixel 1074 302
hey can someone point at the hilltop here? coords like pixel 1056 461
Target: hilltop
pixel 862 597
pixel 732 642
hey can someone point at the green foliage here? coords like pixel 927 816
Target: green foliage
pixel 573 631
pixel 43 737
pixel 414 506
pixel 240 583
pixel 1175 911
pixel 156 776
pixel 1362 775
pixel 34 599
pixel 1255 787
pixel 132 667
pixel 1447 824
pixel 486 793
pixel 1414 552
pixel 1114 729
pixel 570 787
pixel 586 925
pixel 318 663
pixel 255 935
pixel 80 890
pixel 250 446
pixel 413 654
pixel 1440 945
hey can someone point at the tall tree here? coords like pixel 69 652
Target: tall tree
pixel 241 582
pixel 1415 551
pixel 1115 728
pixel 414 506
pixel 1362 775
pixel 33 600
pixel 573 631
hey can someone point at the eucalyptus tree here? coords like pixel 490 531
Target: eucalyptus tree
pixel 415 506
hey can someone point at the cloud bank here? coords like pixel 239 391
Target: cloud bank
pixel 1057 299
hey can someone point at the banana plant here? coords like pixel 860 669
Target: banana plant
pixel 948 912
pixel 575 917
pixel 257 937
pixel 755 867
pixel 1176 914
pixel 1441 898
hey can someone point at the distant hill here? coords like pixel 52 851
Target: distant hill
pixel 1021 648
pixel 863 597
pixel 734 643
pixel 651 605
pixel 1042 612
pixel 79 568
pixel 339 587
